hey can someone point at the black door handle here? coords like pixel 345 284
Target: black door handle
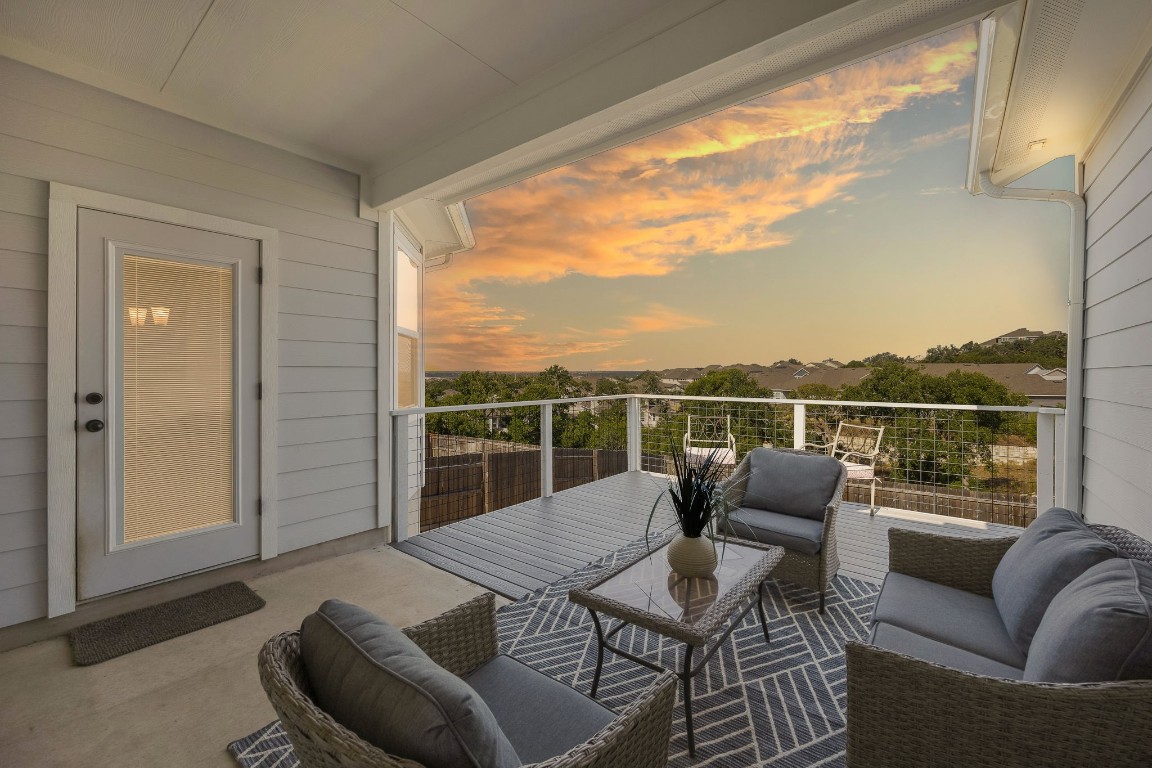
pixel 94 425
pixel 94 398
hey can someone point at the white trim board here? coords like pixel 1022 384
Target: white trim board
pixel 63 208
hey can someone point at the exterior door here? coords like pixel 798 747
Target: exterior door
pixel 167 465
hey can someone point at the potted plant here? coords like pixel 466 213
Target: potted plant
pixel 697 497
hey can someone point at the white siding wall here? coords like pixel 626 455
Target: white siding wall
pixel 54 129
pixel 1118 322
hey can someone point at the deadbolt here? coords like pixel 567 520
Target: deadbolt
pixel 94 398
pixel 94 425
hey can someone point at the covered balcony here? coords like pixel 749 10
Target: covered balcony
pixel 216 221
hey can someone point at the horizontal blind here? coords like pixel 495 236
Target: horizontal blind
pixel 407 366
pixel 178 397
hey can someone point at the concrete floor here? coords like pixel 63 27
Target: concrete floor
pixel 179 703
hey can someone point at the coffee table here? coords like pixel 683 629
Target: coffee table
pixel 699 612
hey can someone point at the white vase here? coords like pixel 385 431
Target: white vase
pixel 692 556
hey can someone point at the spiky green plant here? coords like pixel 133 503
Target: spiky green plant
pixel 696 494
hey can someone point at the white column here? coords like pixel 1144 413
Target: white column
pixel 799 425
pixel 546 450
pixel 400 477
pixel 1059 461
pixel 1045 461
pixel 633 434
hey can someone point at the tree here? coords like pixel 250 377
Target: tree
pixel 647 383
pixel 815 391
pixel 936 446
pixel 727 382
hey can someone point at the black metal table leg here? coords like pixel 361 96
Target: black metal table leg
pixel 686 676
pixel 760 610
pixel 599 652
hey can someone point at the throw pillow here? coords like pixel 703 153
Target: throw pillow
pixel 1098 629
pixel 1056 549
pixel 372 679
pixel 797 484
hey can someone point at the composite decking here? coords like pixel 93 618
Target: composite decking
pixel 516 550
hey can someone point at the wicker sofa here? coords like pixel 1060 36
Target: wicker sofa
pixel 806 528
pixel 904 711
pixel 461 641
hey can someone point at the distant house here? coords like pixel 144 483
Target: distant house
pixel 1020 334
pixel 1043 386
pixel 783 378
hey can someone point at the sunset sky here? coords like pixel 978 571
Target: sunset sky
pixel 824 220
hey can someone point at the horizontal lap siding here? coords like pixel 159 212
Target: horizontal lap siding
pixel 1118 319
pixel 54 129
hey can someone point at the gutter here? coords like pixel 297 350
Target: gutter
pixel 1074 423
pixel 441 256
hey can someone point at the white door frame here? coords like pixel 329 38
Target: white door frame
pixel 63 207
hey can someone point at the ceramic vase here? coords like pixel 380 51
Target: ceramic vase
pixel 695 556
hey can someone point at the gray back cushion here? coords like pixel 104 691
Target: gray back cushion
pixel 1098 629
pixel 372 679
pixel 1056 549
pixel 797 484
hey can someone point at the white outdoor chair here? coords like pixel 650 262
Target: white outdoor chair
pixel 707 435
pixel 856 446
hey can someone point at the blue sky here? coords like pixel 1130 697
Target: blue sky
pixel 824 220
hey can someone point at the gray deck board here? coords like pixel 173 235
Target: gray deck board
pixel 518 549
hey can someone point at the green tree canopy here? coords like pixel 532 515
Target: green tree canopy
pixel 727 382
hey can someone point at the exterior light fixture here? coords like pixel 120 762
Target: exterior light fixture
pixel 137 315
pixel 160 315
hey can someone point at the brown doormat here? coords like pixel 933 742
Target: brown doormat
pixel 118 635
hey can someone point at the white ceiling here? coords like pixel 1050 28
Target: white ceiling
pixel 355 81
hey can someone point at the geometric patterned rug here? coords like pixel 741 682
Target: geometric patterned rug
pixel 755 704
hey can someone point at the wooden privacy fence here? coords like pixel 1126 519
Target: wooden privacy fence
pixel 465 477
pixel 988 506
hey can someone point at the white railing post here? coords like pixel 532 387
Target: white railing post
pixel 1058 461
pixel 633 434
pixel 799 425
pixel 400 477
pixel 1045 461
pixel 546 450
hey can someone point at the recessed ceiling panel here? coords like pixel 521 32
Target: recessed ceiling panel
pixel 356 78
pixel 520 38
pixel 137 40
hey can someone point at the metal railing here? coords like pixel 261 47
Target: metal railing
pixel 994 463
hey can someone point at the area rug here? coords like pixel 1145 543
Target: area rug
pixel 780 704
pixel 108 638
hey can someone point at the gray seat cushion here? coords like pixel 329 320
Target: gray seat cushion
pixel 370 677
pixel 917 646
pixel 1098 629
pixel 541 717
pixel 961 619
pixel 1047 557
pixel 798 484
pixel 801 534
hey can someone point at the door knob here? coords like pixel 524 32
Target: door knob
pixel 94 398
pixel 94 425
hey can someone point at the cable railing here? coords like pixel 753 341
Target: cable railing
pixel 999 464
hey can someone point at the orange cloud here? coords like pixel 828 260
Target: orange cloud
pixel 718 185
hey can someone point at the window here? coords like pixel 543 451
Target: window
pixel 409 369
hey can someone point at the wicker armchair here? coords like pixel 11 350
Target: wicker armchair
pixel 459 640
pixel 812 571
pixel 908 713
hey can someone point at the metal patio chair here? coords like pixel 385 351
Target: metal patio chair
pixel 707 435
pixel 856 446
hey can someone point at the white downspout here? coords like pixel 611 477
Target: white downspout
pixel 1074 420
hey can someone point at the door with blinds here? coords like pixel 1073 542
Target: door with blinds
pixel 167 413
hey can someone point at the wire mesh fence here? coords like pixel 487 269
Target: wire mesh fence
pixel 975 464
